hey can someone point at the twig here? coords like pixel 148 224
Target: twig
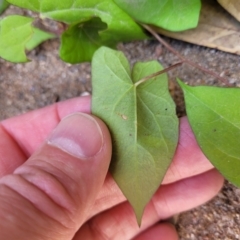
pixel 41 24
pixel 183 59
pixel 157 73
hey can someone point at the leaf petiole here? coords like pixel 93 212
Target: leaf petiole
pixel 157 74
pixel 184 60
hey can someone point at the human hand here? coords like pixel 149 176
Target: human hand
pixel 47 193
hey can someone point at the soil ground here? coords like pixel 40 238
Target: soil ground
pixel 46 79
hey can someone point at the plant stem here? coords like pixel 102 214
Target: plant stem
pixel 183 59
pixel 39 23
pixel 157 73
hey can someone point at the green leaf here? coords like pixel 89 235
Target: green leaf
pixel 142 122
pixel 15 32
pixel 77 11
pixel 214 116
pixel 37 38
pixel 168 14
pixel 112 26
pixel 80 41
pixel 3 5
pixel 33 5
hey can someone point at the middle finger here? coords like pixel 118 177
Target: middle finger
pixel 119 222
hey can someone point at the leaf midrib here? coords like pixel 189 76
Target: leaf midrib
pixel 63 11
pixel 160 130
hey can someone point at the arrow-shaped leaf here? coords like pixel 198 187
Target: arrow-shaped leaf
pixel 17 35
pixel 80 41
pixel 120 24
pixel 15 32
pixel 33 5
pixel 3 5
pixel 214 115
pixel 142 121
pixel 37 38
pixel 82 38
pixel 168 14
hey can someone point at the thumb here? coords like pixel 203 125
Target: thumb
pixel 50 195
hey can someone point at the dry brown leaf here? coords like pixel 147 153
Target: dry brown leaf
pixel 216 29
pixel 232 6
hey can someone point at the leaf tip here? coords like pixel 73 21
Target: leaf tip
pixel 138 211
pixel 182 85
pixel 139 216
pixel 180 82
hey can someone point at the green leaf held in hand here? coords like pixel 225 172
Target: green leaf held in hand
pixel 15 32
pixel 3 5
pixel 168 14
pixel 214 116
pixel 142 121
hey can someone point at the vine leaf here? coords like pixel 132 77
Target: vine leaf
pixel 80 41
pixel 17 35
pixel 142 122
pixel 120 25
pixel 80 15
pixel 3 5
pixel 168 14
pixel 216 29
pixel 15 32
pixel 37 38
pixel 33 5
pixel 214 116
